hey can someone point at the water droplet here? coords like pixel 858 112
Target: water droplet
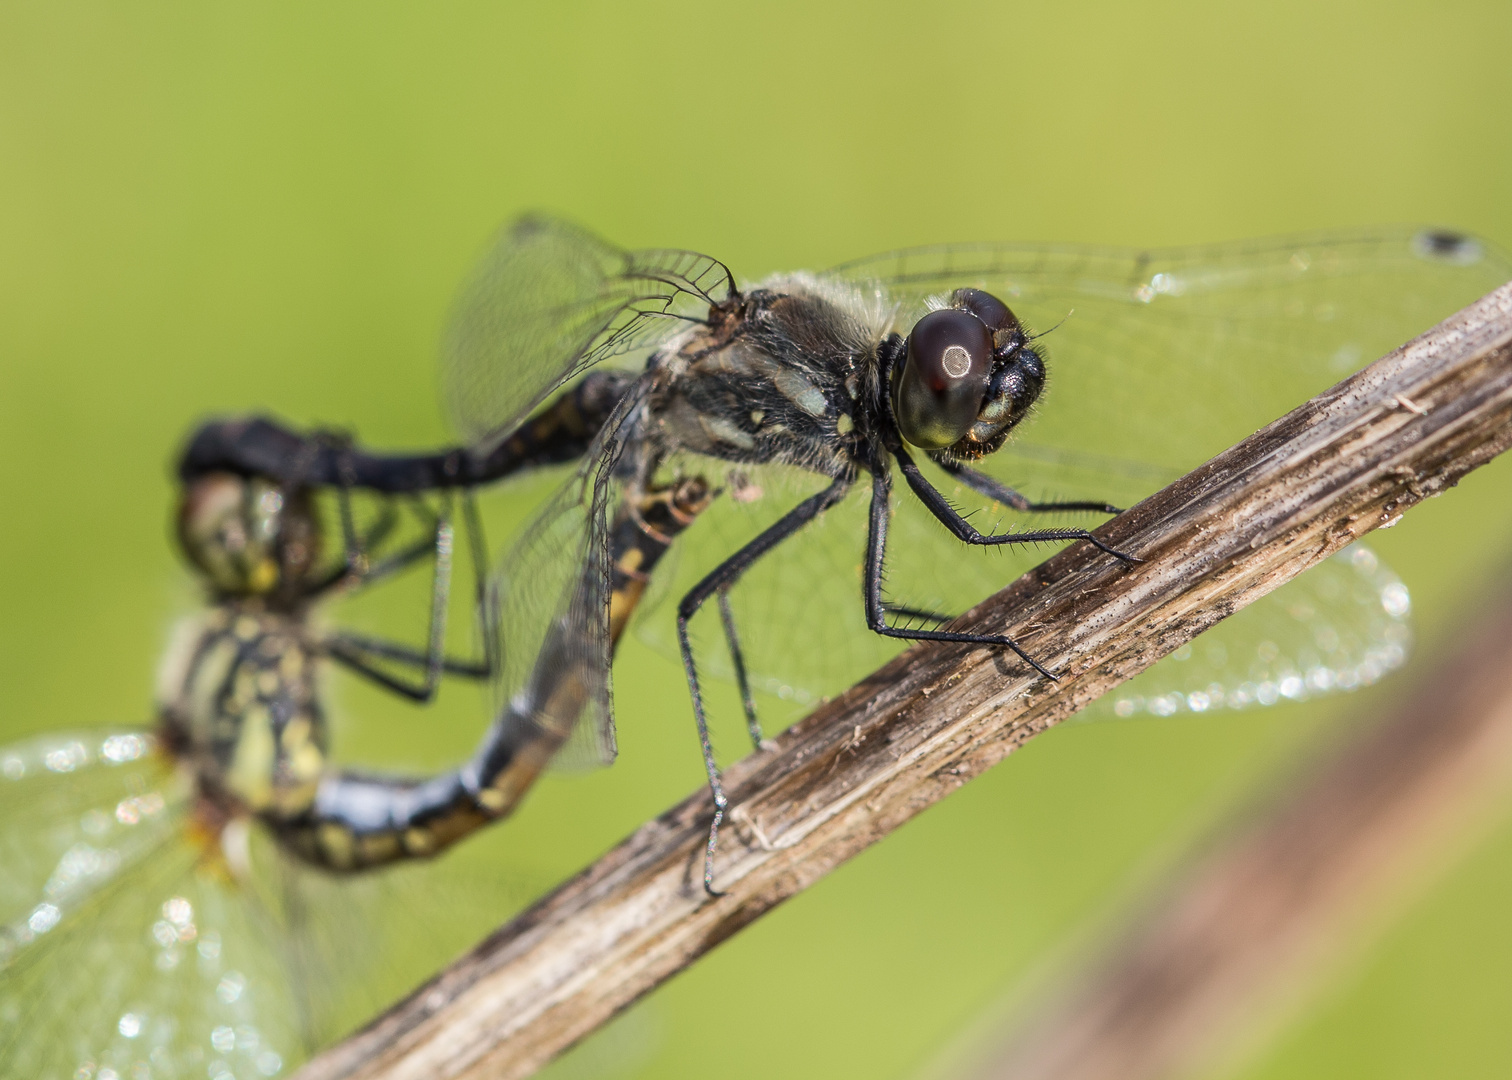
pixel 1396 601
pixel 178 911
pixel 230 988
pixel 43 918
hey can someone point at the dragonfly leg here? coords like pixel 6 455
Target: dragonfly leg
pixel 716 582
pixel 355 653
pixel 908 612
pixel 357 568
pixel 998 491
pixel 477 547
pixel 877 611
pixel 356 649
pixel 965 532
pixel 737 660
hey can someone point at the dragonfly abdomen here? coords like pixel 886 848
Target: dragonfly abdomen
pixel 358 821
pixel 560 432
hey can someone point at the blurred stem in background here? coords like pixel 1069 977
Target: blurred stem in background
pixel 1235 944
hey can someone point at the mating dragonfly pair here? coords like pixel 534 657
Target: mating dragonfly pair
pixel 758 413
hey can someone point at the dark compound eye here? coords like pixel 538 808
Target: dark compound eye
pixel 940 390
pixel 992 311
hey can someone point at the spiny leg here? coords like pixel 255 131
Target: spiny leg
pixel 876 610
pixel 356 549
pixel 357 566
pixel 440 595
pixel 998 491
pixel 964 531
pixel 358 569
pixel 908 612
pixel 722 577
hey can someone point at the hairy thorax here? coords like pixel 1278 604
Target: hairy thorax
pixel 782 381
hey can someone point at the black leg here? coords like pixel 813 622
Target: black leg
pixel 356 554
pixel 359 571
pixel 353 657
pixel 917 613
pixel 434 523
pixel 876 558
pixel 351 652
pixel 720 578
pixel 965 532
pixel 358 652
pixel 737 660
pixel 363 646
pixel 380 530
pixel 998 491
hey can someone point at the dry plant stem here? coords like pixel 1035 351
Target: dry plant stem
pixel 1209 968
pixel 1246 522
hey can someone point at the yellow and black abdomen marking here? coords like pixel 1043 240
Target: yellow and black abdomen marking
pixel 359 821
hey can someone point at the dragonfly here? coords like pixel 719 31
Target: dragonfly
pixel 815 392
pixel 174 852
pixel 158 910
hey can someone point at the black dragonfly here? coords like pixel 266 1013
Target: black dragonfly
pixel 814 386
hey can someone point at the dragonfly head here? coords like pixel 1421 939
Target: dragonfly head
pixel 249 536
pixel 968 375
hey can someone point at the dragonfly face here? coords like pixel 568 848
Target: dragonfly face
pixel 968 376
pixel 249 536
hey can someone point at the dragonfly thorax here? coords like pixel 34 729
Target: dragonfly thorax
pixel 780 381
pixel 239 700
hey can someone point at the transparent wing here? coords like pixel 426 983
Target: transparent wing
pixel 1157 360
pixel 123 949
pixel 1170 356
pixel 353 944
pixel 548 302
pixel 1342 625
pixel 550 595
pixel 130 945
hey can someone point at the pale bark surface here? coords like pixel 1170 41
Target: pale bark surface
pixel 1347 462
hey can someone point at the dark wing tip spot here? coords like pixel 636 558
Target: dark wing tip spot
pixel 1447 246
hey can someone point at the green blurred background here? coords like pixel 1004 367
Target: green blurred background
pixel 206 208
